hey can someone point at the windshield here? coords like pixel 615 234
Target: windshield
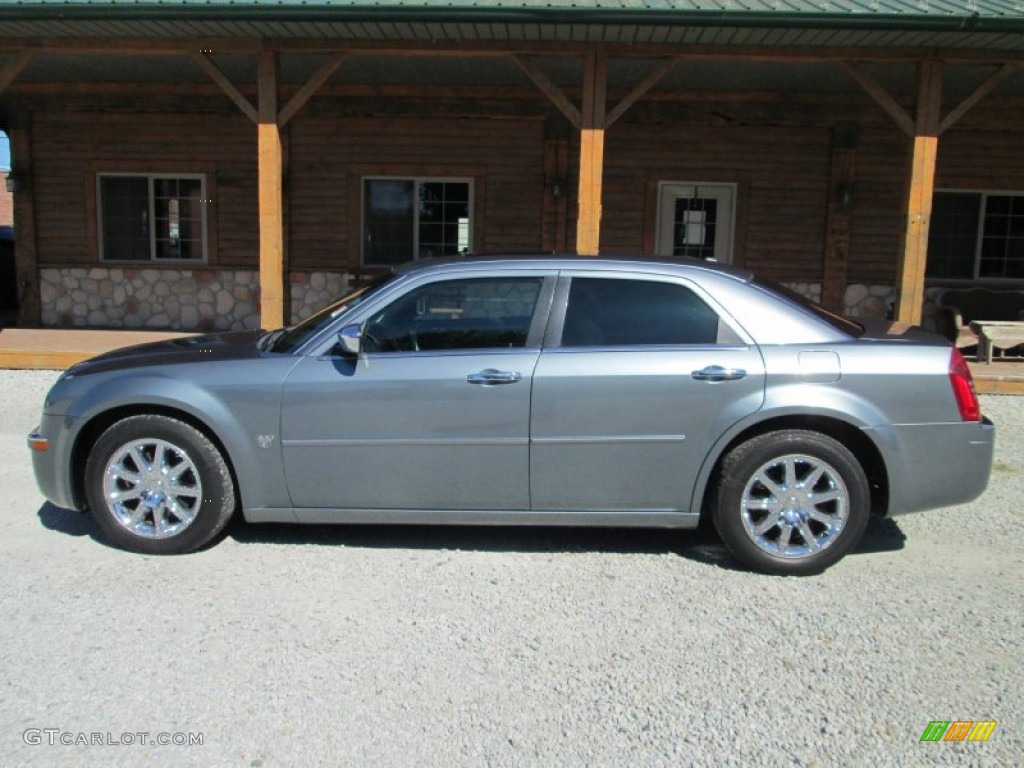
pixel 288 339
pixel 838 322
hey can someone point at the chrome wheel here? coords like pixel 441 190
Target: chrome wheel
pixel 152 488
pixel 795 506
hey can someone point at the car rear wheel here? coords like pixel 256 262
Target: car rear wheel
pixel 158 485
pixel 791 502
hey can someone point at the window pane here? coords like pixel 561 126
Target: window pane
pixel 953 235
pixel 1002 244
pixel 603 312
pixel 124 202
pixel 178 218
pixel 486 313
pixel 389 223
pixel 694 227
pixel 444 218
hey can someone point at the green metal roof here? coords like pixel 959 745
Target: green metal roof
pixel 960 12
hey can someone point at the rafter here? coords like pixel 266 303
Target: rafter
pixel 550 90
pixel 979 93
pixel 13 69
pixel 637 93
pixel 226 85
pixel 305 93
pixel 881 96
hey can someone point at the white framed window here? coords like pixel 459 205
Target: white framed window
pixel 696 219
pixel 976 235
pixel 151 217
pixel 415 218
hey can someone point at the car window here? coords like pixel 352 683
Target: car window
pixel 476 313
pixel 612 312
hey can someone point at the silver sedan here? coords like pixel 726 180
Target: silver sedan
pixel 540 391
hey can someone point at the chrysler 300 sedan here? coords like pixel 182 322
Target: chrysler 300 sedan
pixel 541 391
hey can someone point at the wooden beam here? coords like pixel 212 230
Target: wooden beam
pixel 226 85
pixel 588 223
pixel 298 101
pixel 550 90
pixel 979 93
pixel 271 197
pixel 144 46
pixel 26 266
pixel 920 188
pixel 13 69
pixel 836 266
pixel 881 96
pixel 637 93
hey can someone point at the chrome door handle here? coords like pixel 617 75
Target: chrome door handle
pixel 490 377
pixel 718 373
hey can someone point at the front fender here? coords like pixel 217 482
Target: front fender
pixel 248 428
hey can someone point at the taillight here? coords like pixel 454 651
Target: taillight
pixel 963 387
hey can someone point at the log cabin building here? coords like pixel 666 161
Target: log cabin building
pixel 204 165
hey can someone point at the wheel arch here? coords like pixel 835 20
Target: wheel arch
pixel 100 422
pixel 852 437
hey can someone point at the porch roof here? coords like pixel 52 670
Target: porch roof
pixel 978 24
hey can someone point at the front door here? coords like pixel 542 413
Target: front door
pixel 435 413
pixel 696 220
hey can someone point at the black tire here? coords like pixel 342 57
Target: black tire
pixel 175 489
pixel 775 525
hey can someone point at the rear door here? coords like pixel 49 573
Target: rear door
pixel 638 378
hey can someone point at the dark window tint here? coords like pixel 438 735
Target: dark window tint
pixel 956 247
pixel 953 235
pixel 483 313
pixel 151 217
pixel 609 312
pixel 406 219
pixel 693 230
pixel 389 224
pixel 125 219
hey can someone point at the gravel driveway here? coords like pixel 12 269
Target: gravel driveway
pixel 291 645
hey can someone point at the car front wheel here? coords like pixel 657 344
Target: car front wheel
pixel 158 485
pixel 791 502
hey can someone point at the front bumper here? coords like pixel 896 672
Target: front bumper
pixel 52 466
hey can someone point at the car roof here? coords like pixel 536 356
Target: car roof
pixel 573 261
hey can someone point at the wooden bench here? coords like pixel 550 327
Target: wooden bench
pixel 959 307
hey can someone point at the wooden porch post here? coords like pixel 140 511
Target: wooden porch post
pixel 26 268
pixel 837 224
pixel 920 187
pixel 588 223
pixel 271 197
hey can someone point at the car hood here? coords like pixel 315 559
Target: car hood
pixel 235 345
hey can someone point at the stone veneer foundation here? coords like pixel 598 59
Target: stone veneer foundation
pixel 867 301
pixel 178 299
pixel 228 299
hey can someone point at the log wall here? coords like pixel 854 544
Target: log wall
pixel 776 149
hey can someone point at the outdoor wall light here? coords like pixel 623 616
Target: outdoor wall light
pixel 557 187
pixel 12 182
pixel 846 196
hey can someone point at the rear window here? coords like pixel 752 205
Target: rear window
pixel 840 323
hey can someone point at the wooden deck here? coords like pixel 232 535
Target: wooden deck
pixel 56 349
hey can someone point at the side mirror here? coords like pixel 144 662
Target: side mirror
pixel 350 340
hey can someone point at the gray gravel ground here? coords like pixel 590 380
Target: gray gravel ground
pixel 291 645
